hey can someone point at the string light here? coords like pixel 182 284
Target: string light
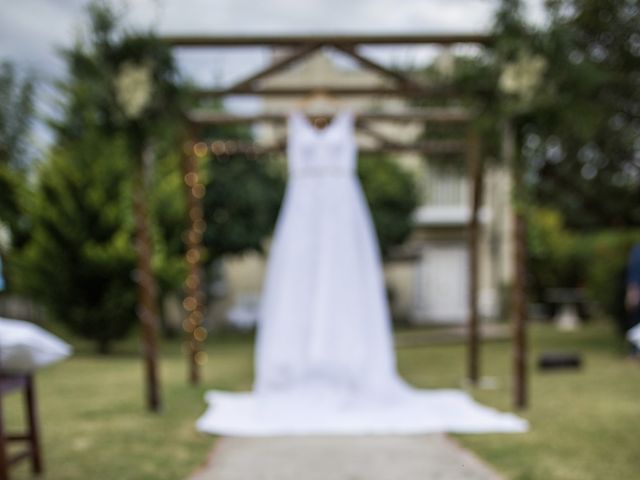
pixel 193 255
pixel 195 213
pixel 199 226
pixel 192 282
pixel 194 237
pixel 200 149
pixel 201 358
pixel 198 190
pixel 200 334
pixel 190 303
pixel 187 325
pixel 194 299
pixel 231 147
pixel 191 179
pixel 218 147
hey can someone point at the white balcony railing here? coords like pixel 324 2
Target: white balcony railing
pixel 447 200
pixel 446 188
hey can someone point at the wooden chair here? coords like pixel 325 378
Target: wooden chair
pixel 24 383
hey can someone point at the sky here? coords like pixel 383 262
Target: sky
pixel 32 31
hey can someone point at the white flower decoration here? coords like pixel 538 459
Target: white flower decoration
pixel 523 77
pixel 445 64
pixel 5 238
pixel 134 85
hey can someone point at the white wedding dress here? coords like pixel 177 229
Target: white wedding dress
pixel 324 359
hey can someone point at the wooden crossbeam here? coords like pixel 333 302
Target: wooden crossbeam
pixel 334 91
pixel 300 40
pixel 383 140
pixel 369 64
pixel 431 147
pixel 274 67
pixel 431 115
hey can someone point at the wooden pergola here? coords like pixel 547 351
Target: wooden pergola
pixel 400 85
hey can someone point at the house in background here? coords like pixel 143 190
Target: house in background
pixel 430 284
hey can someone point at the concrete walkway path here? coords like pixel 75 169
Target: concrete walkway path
pixel 428 457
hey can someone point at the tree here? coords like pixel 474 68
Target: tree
pixel 78 260
pixel 16 118
pixel 392 197
pixel 555 257
pixel 580 140
pixel 242 198
pixel 124 85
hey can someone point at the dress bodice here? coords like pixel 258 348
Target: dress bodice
pixel 331 151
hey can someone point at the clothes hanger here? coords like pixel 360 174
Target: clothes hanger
pixel 320 117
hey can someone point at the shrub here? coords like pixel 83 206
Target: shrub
pixel 559 257
pixel 606 270
pixel 556 257
pixel 392 196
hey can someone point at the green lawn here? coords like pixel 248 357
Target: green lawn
pixel 585 424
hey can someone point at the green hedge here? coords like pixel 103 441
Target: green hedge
pixel 595 261
pixel 604 273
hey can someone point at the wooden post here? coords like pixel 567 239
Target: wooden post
pixel 4 444
pixel 30 436
pixel 475 169
pixel 147 309
pixel 519 301
pixel 33 425
pixel 194 297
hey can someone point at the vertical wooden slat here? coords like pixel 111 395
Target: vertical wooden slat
pixel 519 313
pixel 147 309
pixel 4 454
pixel 475 169
pixel 33 425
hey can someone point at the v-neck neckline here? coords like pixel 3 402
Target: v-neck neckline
pixel 320 132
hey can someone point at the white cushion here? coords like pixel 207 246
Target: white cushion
pixel 633 335
pixel 25 347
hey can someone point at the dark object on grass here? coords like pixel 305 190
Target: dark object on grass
pixel 559 360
